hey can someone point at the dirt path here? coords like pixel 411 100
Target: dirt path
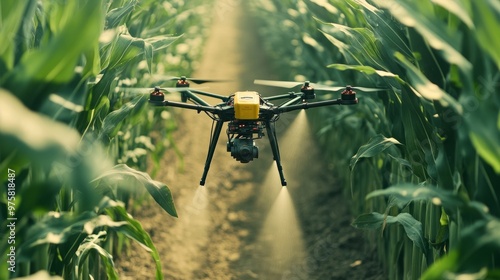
pixel 242 224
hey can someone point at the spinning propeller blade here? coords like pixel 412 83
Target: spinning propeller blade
pixel 283 84
pixel 148 90
pixel 365 89
pixel 289 84
pixel 196 80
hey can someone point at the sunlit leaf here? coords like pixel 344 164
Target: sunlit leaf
pixel 457 8
pixel 91 244
pixel 375 146
pixel 426 88
pixel 161 42
pixel 126 48
pixel 10 19
pixel 486 15
pixel 53 228
pixel 367 70
pixel 405 193
pixel 116 16
pixel 125 176
pixel 40 275
pixel 36 136
pixel 53 64
pixel 432 29
pixel 113 121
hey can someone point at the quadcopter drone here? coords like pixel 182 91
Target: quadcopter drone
pixel 249 115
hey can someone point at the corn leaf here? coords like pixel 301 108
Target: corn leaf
pixel 36 136
pixel 125 48
pixel 91 243
pixel 425 88
pixel 11 12
pixel 113 121
pixel 117 16
pixel 127 177
pixel 133 229
pixel 484 132
pixel 414 14
pixel 53 228
pixel 412 227
pixel 479 243
pixel 367 70
pixel 486 15
pixel 53 63
pixel 40 275
pixel 375 146
pixel 406 193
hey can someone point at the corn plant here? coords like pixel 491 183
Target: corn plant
pixel 428 147
pixel 70 139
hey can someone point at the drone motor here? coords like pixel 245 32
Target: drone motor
pixel 348 96
pixel 156 97
pixel 308 91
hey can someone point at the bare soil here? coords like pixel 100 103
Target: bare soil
pixel 221 230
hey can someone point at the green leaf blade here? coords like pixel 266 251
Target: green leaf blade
pixel 375 146
pixel 123 174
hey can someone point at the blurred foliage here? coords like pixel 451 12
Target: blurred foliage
pixel 72 142
pixel 433 137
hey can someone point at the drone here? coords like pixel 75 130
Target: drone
pixel 249 115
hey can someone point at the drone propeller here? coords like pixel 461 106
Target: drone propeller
pixel 148 90
pixel 283 84
pixel 365 89
pixel 195 80
pixel 289 84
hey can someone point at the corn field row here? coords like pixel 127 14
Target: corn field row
pixel 72 154
pixel 421 159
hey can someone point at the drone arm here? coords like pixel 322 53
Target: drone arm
pixel 193 97
pixel 291 101
pixel 282 96
pixel 287 108
pixel 209 94
pixel 195 107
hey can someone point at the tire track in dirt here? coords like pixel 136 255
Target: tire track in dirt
pixel 217 233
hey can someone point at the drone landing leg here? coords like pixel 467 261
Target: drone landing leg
pixel 276 153
pixel 211 149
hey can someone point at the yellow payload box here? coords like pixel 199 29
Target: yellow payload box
pixel 246 105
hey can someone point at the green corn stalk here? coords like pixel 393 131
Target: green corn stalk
pixel 437 60
pixel 71 138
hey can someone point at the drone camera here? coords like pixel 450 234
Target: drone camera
pixel 243 150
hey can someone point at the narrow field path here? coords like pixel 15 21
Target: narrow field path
pixel 242 224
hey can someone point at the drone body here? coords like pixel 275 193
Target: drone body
pixel 249 115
